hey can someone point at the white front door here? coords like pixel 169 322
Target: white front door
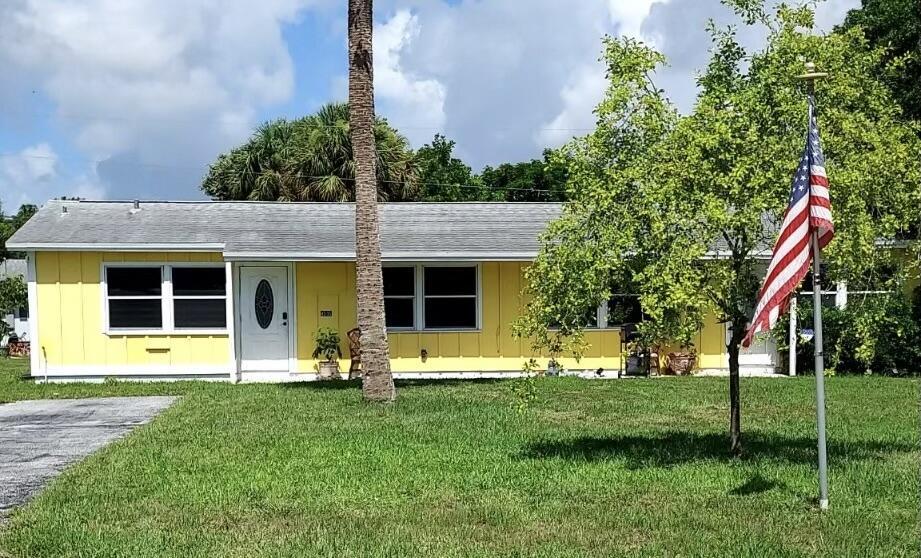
pixel 264 319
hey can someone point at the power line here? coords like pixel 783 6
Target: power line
pixel 321 177
pixel 310 177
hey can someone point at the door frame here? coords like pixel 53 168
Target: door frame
pixel 292 314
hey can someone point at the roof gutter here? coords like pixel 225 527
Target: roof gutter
pixel 386 256
pixel 115 247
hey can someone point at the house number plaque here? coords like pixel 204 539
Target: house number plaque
pixel 326 313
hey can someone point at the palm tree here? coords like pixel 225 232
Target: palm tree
pixel 310 159
pixel 377 382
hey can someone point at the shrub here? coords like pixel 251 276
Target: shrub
pixel 872 334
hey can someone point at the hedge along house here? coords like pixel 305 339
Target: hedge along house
pixel 237 290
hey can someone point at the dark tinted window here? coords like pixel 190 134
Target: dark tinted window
pixel 199 281
pixel 624 309
pixel 133 281
pixel 399 281
pixel 450 313
pixel 193 313
pixel 450 281
pixel 135 313
pixel 399 312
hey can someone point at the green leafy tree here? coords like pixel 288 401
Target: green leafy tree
pixel 894 25
pixel 533 181
pixel 653 192
pixel 445 178
pixel 13 295
pixel 310 159
pixel 9 225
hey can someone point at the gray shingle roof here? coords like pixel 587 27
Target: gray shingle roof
pixel 267 230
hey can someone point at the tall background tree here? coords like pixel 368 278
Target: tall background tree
pixel 10 224
pixel 377 381
pixel 310 159
pixel 537 180
pixel 653 192
pixel 13 292
pixel 894 25
pixel 444 177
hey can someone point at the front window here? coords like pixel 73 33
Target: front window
pixel 436 297
pixel 199 297
pixel 450 297
pixel 135 297
pixel 623 309
pixel 400 297
pixel 165 297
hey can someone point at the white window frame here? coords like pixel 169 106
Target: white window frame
pixel 166 300
pixel 419 297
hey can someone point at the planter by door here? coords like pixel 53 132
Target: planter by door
pixel 264 318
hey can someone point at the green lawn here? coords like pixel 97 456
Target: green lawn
pixel 592 468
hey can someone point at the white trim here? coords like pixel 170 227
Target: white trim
pixel 116 370
pixel 403 257
pixel 231 326
pixel 422 257
pixel 117 247
pixel 166 297
pixel 32 285
pixel 292 317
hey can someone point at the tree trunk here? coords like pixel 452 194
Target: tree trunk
pixel 377 381
pixel 735 404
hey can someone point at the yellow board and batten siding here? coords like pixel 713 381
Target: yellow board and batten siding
pixel 70 322
pixel 71 331
pixel 331 287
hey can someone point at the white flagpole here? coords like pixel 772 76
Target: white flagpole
pixel 810 76
pixel 791 355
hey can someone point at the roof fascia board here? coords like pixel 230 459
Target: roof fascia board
pixel 387 257
pixel 117 247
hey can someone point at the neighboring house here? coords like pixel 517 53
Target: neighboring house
pixel 236 290
pixel 19 319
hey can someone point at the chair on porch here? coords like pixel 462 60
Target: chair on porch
pixel 354 336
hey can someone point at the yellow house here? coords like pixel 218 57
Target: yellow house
pixel 237 290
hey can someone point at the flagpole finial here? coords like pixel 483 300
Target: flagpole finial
pixel 811 74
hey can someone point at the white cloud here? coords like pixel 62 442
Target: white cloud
pixel 25 172
pixel 580 96
pixel 585 86
pixel 32 175
pixel 164 81
pixel 415 105
pixel 629 15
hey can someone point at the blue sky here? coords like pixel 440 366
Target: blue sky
pixel 123 100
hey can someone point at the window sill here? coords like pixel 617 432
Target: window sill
pixel 456 330
pixel 163 332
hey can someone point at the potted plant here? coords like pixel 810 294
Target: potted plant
pixel 682 362
pixel 327 346
pixel 672 329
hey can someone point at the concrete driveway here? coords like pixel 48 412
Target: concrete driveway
pixel 39 439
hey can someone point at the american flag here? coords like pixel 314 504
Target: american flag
pixel 809 210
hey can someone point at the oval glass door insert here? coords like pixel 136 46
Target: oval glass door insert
pixel 264 304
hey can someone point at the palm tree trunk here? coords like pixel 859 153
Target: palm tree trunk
pixel 377 381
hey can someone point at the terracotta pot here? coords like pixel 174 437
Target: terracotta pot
pixel 328 370
pixel 681 363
